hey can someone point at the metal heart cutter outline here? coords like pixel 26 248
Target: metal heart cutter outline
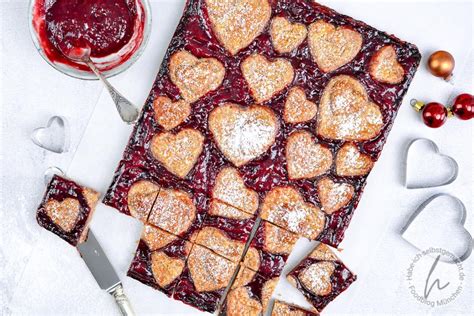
pixel 461 209
pixel 436 183
pixel 54 136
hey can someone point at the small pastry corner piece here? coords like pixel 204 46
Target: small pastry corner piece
pixel 321 277
pixel 67 209
pixel 281 308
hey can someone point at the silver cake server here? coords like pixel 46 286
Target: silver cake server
pixel 104 273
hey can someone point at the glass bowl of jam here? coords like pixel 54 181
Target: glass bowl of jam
pixel 115 31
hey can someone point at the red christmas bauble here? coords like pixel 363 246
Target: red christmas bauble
pixel 434 114
pixel 463 106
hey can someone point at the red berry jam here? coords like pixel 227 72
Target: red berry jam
pixel 104 26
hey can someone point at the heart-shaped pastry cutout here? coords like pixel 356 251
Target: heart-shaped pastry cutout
pixel 237 23
pixel 317 277
pixel 267 291
pixel 217 241
pixel 64 213
pixel 285 207
pixel 239 300
pixel 266 78
pixel 194 76
pixel 165 269
pixel 286 36
pixel 140 198
pixel 332 47
pixel 209 271
pixel 252 259
pixel 173 211
pixel 323 252
pixel 298 109
pixel 230 189
pixel 178 153
pixel 305 158
pixel 437 169
pixel 334 196
pixel 156 238
pixel 170 114
pixel 350 162
pixel 244 277
pixel 346 113
pixel 54 137
pixel 243 133
pixel 439 223
pixel 278 240
pixel 384 66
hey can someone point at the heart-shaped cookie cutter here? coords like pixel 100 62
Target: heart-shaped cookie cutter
pixel 56 143
pixel 462 221
pixel 435 148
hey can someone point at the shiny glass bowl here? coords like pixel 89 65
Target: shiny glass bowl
pixel 115 63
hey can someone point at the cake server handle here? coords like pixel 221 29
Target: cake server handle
pixel 122 301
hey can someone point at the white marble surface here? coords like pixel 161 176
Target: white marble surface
pixel 41 274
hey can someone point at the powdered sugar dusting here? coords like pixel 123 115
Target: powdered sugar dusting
pixel 334 195
pixel 350 162
pixel 385 67
pixel 317 277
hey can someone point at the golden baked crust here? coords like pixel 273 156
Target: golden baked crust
pixel 332 47
pixel 165 269
pixel 243 133
pixel 333 196
pixel 230 189
pixel 346 113
pixel 266 78
pixel 298 109
pixel 244 277
pixel 384 66
pixel 195 77
pixel 173 211
pixel 156 238
pixel 317 277
pixel 323 252
pixel 285 207
pixel 267 291
pixel 217 241
pixel 278 240
pixel 222 209
pixel 140 198
pixel 178 153
pixel 305 158
pixel 239 303
pixel 64 213
pixel 170 114
pixel 351 162
pixel 286 36
pixel 236 23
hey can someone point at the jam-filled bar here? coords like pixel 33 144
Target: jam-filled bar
pixel 321 277
pixel 66 209
pixel 281 308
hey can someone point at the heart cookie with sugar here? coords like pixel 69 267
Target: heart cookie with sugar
pixel 217 241
pixel 178 153
pixel 384 66
pixel 285 207
pixel 243 133
pixel 317 277
pixel 64 213
pixel 230 189
pixel 209 271
pixel 170 114
pixel 266 78
pixel 286 36
pixel 173 211
pixel 165 269
pixel 332 47
pixel 346 113
pixel 237 23
pixel 351 162
pixel 140 198
pixel 298 109
pixel 305 158
pixel 193 76
pixel 333 196
pixel 239 299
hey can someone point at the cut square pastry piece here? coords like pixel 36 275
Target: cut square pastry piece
pixel 66 209
pixel 133 192
pixel 321 277
pixel 269 249
pixel 224 235
pixel 204 279
pixel 159 260
pixel 281 308
pixel 284 206
pixel 249 295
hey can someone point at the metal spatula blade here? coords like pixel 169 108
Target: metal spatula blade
pixel 103 272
